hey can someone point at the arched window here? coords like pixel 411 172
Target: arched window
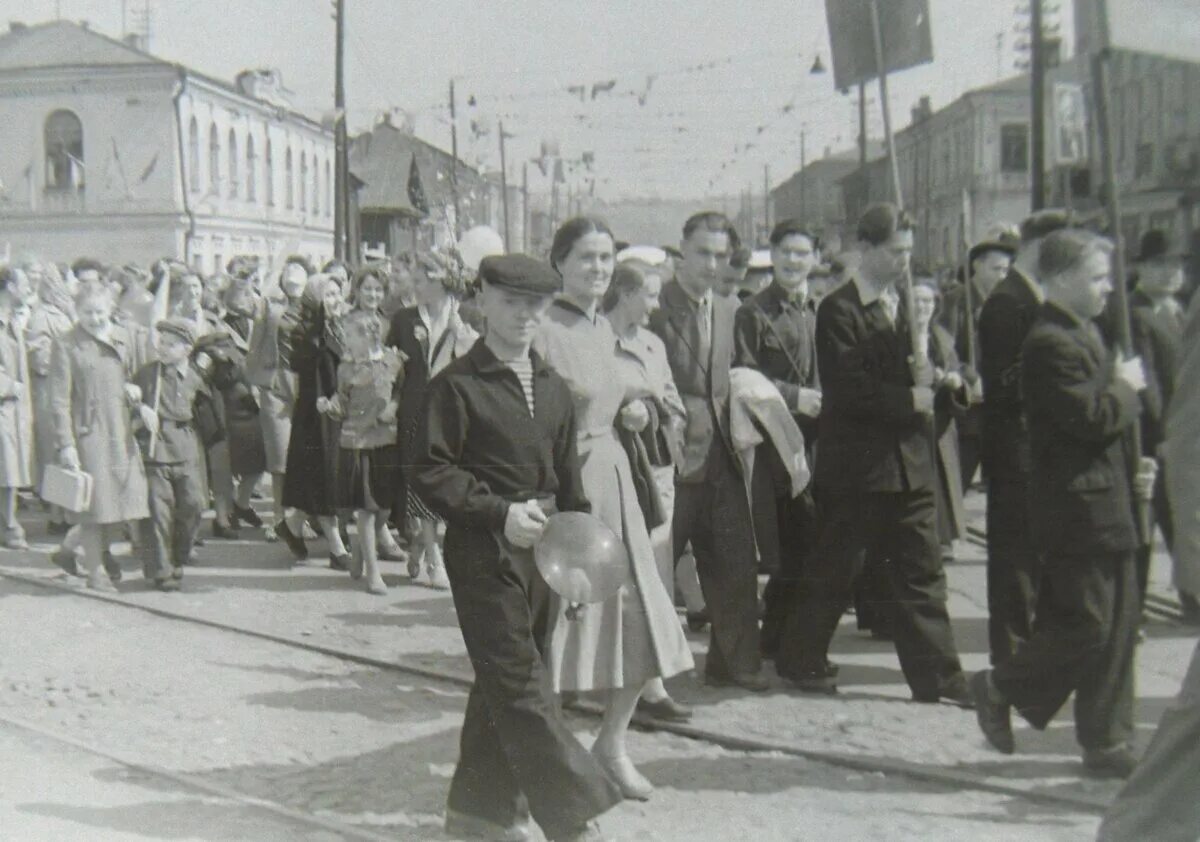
pixel 194 155
pixel 251 170
pixel 303 182
pixel 233 165
pixel 214 161
pixel 64 151
pixel 269 170
pixel 328 190
pixel 289 183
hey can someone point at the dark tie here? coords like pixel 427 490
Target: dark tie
pixel 705 345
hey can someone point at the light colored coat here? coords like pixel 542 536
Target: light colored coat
pixel 634 635
pixel 46 324
pixel 16 410
pixel 88 378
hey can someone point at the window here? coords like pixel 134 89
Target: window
pixel 1014 148
pixel 316 202
pixel 269 171
pixel 214 161
pixel 289 183
pixel 194 155
pixel 251 170
pixel 303 182
pixel 233 165
pixel 1144 162
pixel 328 190
pixel 64 151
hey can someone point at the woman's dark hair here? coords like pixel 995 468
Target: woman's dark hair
pixel 301 262
pixel 571 232
pixel 626 278
pixel 8 276
pixel 378 271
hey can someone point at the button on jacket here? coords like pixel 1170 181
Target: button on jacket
pixel 177 387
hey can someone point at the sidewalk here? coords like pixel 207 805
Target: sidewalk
pixel 252 585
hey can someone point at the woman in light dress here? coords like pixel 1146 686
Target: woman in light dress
pixel 620 644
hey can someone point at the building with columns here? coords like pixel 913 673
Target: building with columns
pixel 109 152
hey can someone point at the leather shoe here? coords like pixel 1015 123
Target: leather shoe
pixel 823 682
pixel 65 559
pixel 992 713
pixel 225 533
pixel 294 542
pixel 111 567
pixel 665 709
pixel 955 691
pixel 339 562
pixel 473 827
pixel 1116 762
pixel 629 780
pixel 754 682
pixel 246 515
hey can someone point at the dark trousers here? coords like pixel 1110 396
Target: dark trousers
pixel 1160 516
pixel 970 456
pixel 714 516
pixel 852 523
pixel 1012 567
pixel 517 757
pixel 175 509
pixel 797 519
pixel 1083 643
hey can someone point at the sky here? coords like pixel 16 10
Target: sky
pixel 696 81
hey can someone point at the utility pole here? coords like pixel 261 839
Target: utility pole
pixel 766 197
pixel 525 217
pixel 803 177
pixel 1037 74
pixel 504 188
pixel 454 162
pixel 341 216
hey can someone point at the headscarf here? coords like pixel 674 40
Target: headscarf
pixel 314 321
pixel 53 291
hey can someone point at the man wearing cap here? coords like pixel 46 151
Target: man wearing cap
pixel 1005 320
pixel 774 333
pixel 874 476
pixel 1080 400
pixel 711 510
pixel 494 456
pixel 171 391
pixel 988 262
pixel 1156 322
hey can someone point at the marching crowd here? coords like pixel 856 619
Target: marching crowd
pixel 818 422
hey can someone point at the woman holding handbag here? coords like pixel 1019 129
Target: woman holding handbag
pixel 91 400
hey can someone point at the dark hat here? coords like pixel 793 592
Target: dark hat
pixel 1156 245
pixel 520 273
pixel 983 247
pixel 1041 223
pixel 179 327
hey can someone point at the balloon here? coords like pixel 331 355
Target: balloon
pixel 478 243
pixel 581 559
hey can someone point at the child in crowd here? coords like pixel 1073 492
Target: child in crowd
pixel 172 402
pixel 369 378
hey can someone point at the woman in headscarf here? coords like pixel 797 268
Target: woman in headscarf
pixel 310 479
pixel 52 317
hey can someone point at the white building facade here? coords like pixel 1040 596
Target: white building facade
pixel 111 153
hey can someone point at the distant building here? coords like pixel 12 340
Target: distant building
pixel 407 200
pixel 815 194
pixel 110 152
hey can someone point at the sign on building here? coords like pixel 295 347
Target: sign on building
pixel 903 25
pixel 1069 125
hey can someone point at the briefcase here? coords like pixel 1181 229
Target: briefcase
pixel 72 490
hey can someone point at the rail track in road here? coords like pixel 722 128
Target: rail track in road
pixel 942 777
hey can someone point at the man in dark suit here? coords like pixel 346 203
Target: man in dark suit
pixel 711 510
pixel 989 262
pixel 775 333
pixel 875 475
pixel 1080 399
pixel 1156 320
pixel 1005 320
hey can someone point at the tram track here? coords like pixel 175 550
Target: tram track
pixel 942 777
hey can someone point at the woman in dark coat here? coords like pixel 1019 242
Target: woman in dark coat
pixel 310 478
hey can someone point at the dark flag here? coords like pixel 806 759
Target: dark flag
pixel 903 25
pixel 416 191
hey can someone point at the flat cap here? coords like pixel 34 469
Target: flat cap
pixel 178 327
pixel 520 273
pixel 1002 245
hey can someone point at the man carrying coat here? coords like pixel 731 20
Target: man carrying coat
pixel 1081 401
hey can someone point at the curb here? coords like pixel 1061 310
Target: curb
pixel 945 778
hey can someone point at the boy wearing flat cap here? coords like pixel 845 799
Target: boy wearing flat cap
pixel 494 456
pixel 171 391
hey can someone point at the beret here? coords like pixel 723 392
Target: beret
pixel 1003 246
pixel 178 327
pixel 520 273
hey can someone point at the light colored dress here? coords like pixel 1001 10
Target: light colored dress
pixel 16 410
pixel 635 635
pixel 87 380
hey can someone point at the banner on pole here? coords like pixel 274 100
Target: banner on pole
pixel 907 40
pixel 1069 125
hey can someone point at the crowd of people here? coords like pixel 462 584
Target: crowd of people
pixel 811 418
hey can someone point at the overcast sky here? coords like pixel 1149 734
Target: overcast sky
pixel 518 57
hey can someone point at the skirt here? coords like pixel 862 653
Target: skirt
pixel 275 418
pixel 367 478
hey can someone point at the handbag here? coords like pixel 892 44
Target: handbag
pixel 72 490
